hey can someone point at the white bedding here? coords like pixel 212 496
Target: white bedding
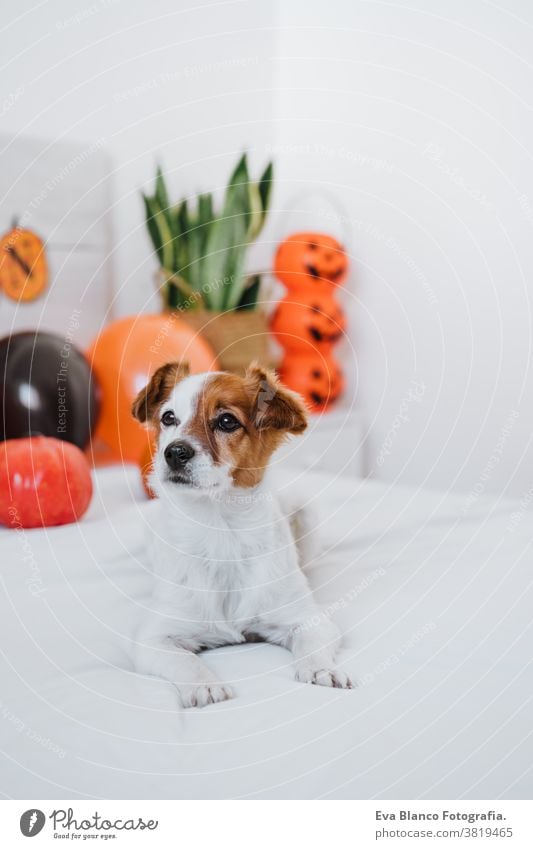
pixel 434 598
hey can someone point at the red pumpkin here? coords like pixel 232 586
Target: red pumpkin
pixel 311 259
pixel 308 319
pixel 43 481
pixel 319 380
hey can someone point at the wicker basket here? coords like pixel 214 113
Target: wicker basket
pixel 237 337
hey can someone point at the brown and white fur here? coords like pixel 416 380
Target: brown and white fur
pixel 225 563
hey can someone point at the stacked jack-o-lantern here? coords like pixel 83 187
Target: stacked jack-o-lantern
pixel 308 321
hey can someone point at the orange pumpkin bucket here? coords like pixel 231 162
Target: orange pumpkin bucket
pixel 318 379
pixel 308 321
pixel 311 259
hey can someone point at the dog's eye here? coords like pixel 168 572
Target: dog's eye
pixel 168 418
pixel 227 423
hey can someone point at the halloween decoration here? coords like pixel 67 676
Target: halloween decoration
pixel 43 482
pixel 318 379
pixel 307 258
pixel 123 357
pixel 309 315
pixel 23 266
pixel 308 321
pixel 47 389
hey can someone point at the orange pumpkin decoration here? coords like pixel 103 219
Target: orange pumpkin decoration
pixel 23 266
pixel 308 316
pixel 319 380
pixel 311 259
pixel 308 321
pixel 123 357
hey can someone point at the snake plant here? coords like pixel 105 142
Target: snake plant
pixel 202 254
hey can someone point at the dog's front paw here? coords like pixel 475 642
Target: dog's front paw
pixel 324 677
pixel 200 695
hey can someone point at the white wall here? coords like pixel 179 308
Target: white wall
pixel 183 83
pixel 407 130
pixel 416 117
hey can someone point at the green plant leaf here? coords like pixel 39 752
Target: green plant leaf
pixel 174 297
pixel 205 219
pixel 237 198
pixel 250 295
pixel 180 227
pixel 225 254
pixel 194 240
pixel 259 201
pixel 205 209
pixel 236 277
pixel 265 187
pixel 161 194
pixel 255 220
pixel 197 239
pixel 239 174
pixel 182 217
pixel 225 250
pixel 203 248
pixel 160 232
pixel 153 230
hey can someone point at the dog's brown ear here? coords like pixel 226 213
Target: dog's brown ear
pixel 154 393
pixel 274 406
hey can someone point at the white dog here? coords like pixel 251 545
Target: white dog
pixel 225 561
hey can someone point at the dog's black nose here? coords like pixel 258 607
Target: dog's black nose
pixel 177 454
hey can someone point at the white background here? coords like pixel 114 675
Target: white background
pixel 405 127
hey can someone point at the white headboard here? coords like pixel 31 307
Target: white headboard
pixel 61 191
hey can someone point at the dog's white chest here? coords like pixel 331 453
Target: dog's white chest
pixel 218 578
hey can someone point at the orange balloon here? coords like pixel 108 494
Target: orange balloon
pixel 123 357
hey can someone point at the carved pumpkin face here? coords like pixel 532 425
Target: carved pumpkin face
pixel 307 259
pixel 319 380
pixel 23 266
pixel 311 319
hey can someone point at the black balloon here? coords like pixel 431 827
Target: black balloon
pixel 46 387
